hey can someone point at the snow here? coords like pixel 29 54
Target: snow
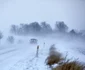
pixel 22 56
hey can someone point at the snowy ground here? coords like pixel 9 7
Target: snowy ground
pixel 22 56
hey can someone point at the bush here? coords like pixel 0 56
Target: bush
pixel 62 63
pixel 54 57
pixel 74 65
pixel 10 39
pixel 1 35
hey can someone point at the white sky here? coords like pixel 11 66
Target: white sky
pixel 72 12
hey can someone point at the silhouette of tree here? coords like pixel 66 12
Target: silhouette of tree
pixel 10 39
pixel 61 26
pixel 1 35
pixel 46 27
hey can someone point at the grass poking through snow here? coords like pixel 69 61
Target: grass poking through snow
pixel 55 57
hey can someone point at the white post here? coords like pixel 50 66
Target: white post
pixel 37 51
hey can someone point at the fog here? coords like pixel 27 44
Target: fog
pixel 72 12
pixel 22 32
pixel 17 52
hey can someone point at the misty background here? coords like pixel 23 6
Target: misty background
pixel 72 12
pixel 26 25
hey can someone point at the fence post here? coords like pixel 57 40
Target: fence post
pixel 44 44
pixel 37 51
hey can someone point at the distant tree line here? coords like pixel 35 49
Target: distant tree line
pixel 42 28
pixel 32 28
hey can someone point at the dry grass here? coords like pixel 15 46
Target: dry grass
pixel 54 56
pixel 74 65
pixel 63 64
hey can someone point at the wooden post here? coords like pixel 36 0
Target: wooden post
pixel 37 51
pixel 44 45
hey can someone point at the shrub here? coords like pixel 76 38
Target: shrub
pixel 1 35
pixel 10 39
pixel 54 57
pixel 73 65
pixel 62 63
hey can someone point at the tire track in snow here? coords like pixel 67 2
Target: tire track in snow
pixel 8 56
pixel 32 63
pixel 22 64
pixel 35 61
pixel 9 51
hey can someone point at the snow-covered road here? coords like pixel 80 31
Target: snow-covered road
pixel 23 56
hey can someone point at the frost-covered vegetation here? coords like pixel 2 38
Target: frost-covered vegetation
pixel 62 63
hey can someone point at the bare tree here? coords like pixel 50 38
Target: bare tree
pixel 14 29
pixel 46 27
pixel 61 26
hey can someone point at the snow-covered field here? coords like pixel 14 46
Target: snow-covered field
pixel 22 56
